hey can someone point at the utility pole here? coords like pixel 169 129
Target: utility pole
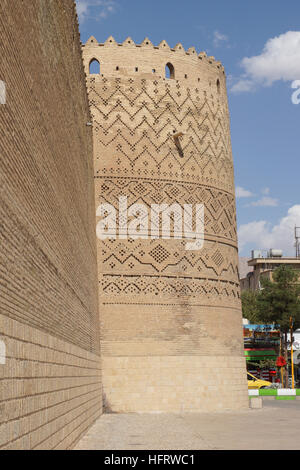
pixel 297 241
pixel 292 362
pixel 286 375
pixel 280 354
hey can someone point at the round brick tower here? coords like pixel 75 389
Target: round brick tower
pixel 171 323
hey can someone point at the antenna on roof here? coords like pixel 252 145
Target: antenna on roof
pixel 297 241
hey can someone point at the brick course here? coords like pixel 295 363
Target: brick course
pixel 50 386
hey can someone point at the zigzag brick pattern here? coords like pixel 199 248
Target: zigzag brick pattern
pixel 158 300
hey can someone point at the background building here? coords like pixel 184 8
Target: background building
pixel 262 264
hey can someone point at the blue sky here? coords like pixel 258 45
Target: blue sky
pixel 258 42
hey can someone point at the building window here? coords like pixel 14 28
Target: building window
pixel 170 71
pixel 218 85
pixel 136 69
pixel 94 66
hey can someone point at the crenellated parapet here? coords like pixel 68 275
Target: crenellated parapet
pixel 147 44
pixel 147 60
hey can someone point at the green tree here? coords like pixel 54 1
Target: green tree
pixel 250 307
pixel 279 300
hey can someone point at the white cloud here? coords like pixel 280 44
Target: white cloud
pixel 241 192
pixel 265 201
pixel 265 191
pixel 243 85
pixel 219 38
pixel 279 60
pixel 97 9
pixel 261 234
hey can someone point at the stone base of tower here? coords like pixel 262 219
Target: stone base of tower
pixel 172 357
pixel 174 384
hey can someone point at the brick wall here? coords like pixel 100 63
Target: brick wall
pixel 50 387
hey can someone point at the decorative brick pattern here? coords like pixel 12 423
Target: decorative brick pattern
pixel 160 302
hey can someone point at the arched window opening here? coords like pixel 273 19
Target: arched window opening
pixel 94 66
pixel 170 71
pixel 218 85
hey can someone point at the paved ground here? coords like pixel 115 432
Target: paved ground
pixel 276 426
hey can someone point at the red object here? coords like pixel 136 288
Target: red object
pixel 280 361
pixel 272 375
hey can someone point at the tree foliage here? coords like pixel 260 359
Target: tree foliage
pixel 280 299
pixel 276 303
pixel 249 306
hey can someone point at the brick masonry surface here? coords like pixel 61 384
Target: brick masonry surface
pixel 50 387
pixel 171 324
